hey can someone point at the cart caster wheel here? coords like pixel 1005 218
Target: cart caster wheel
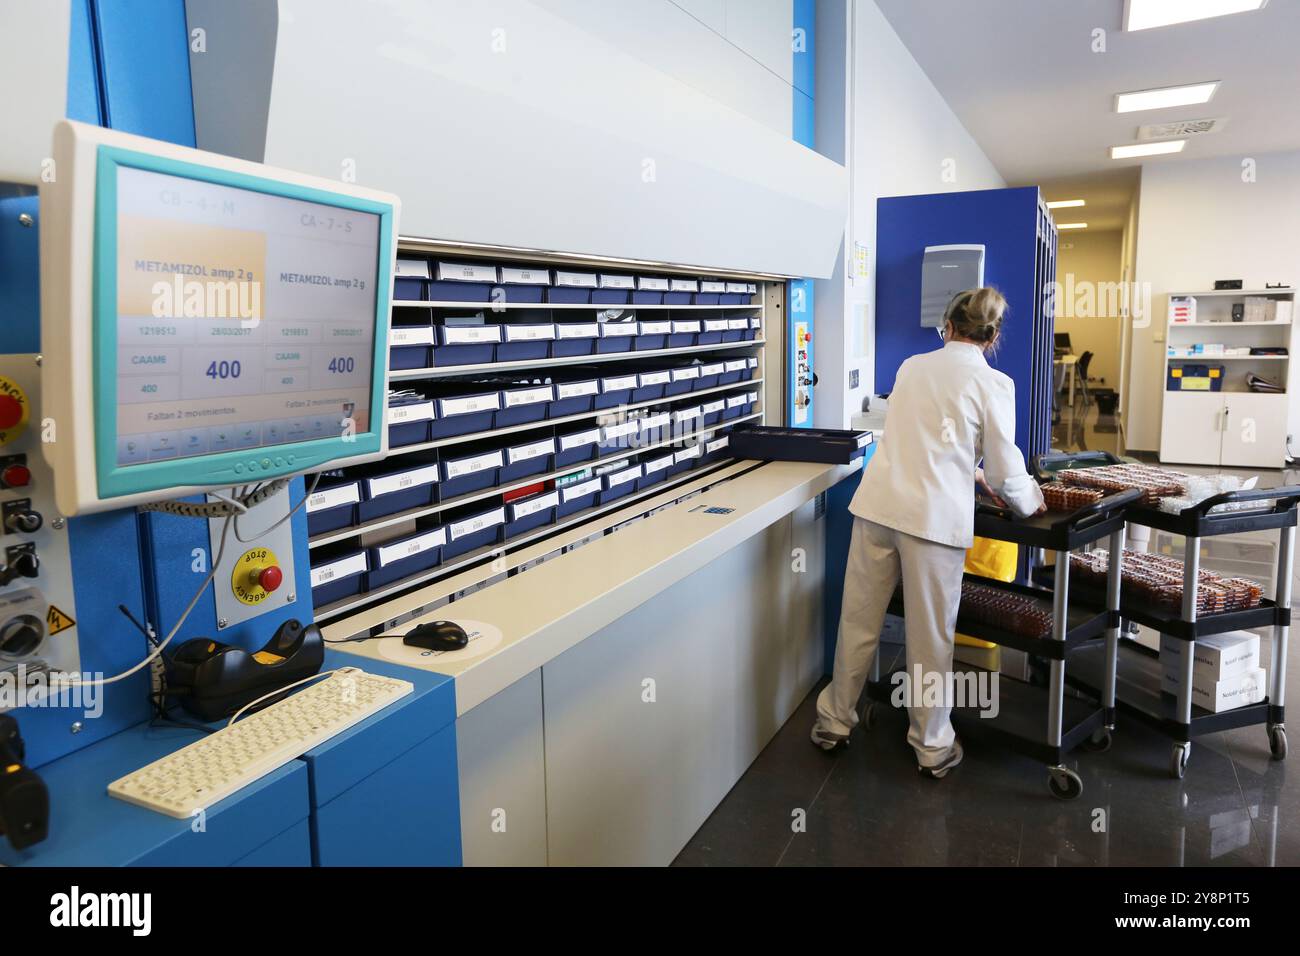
pixel 869 717
pixel 1277 741
pixel 1064 783
pixel 1178 758
pixel 1099 742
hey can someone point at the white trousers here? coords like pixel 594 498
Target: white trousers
pixel 931 574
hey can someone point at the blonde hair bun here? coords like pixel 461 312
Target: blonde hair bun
pixel 977 314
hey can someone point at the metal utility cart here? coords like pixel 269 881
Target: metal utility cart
pixel 1139 669
pixel 1042 722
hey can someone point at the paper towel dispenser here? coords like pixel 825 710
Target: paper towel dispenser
pixel 945 271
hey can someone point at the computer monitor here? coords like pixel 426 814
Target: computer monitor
pixel 1062 341
pixel 206 322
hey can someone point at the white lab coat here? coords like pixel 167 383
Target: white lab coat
pixel 948 409
pixel 914 520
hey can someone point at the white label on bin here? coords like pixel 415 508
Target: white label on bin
pixel 587 487
pixel 709 407
pixel 336 570
pixel 577 389
pixel 715 325
pixel 737 323
pixel 681 374
pixel 611 329
pixel 617 282
pixel 864 440
pixel 579 438
pixel 532 450
pixel 624 476
pixel 740 287
pixel 695 451
pixel 756 323
pixel 714 368
pixel 470 404
pixel 687 325
pixel 752 361
pixel 529 333
pixel 617 431
pixel 583 280
pixel 683 285
pixel 468 466
pixel 737 365
pixel 528 396
pixel 471 334
pixel 718 445
pixel 577 330
pixel 466 272
pixel 530 506
pixel 652 283
pixel 709 285
pixel 410 335
pixel 410 547
pixel 685 414
pixel 412 269
pixel 618 383
pixel 400 482
pixel 656 328
pixel 658 464
pixel 514 276
pixel 735 401
pixel 751 288
pixel 752 396
pixel 654 421
pixel 348 494
pixel 655 378
pixel 487 519
pixel 414 412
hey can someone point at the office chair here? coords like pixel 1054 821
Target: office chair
pixel 1081 378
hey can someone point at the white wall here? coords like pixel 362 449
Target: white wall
pixel 1199 221
pixel 1094 258
pixel 900 132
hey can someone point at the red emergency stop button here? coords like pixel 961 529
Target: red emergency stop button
pixel 15 476
pixel 270 578
pixel 807 336
pixel 11 411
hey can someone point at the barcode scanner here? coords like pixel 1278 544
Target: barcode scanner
pixel 24 801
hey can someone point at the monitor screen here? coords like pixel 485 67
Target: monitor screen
pixel 244 319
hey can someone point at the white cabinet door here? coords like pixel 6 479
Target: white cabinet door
pixel 1254 434
pixel 1191 432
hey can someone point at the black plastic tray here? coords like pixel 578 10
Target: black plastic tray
pixel 1053 530
pixel 824 445
pixel 1197 522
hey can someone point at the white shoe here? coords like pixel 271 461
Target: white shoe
pixel 950 760
pixel 827 740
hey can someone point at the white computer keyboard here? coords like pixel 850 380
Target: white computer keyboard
pixel 195 777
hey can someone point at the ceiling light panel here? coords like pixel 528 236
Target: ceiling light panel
pixel 1146 14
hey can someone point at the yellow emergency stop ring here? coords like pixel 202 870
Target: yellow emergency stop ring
pixel 244 583
pixel 11 388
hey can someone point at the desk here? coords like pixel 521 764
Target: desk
pixel 1068 363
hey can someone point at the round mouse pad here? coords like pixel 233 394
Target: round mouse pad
pixel 483 638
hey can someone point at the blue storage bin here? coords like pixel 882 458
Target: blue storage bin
pixel 710 372
pixel 333 505
pixel 736 293
pixel 531 513
pixel 395 560
pixel 733 370
pixel 715 449
pixel 618 484
pixel 687 419
pixel 617 336
pixel 521 405
pixel 337 573
pixel 525 341
pixel 712 332
pixel 578 496
pixel 575 447
pixel 410 420
pixel 410 339
pixel 571 287
pixel 651 385
pixel 460 291
pixel 737 329
pixel 647 297
pixel 463 282
pixel 654 470
pixel 464 414
pixel 527 459
pixel 683 380
pixel 575 338
pixel 653 428
pixel 523 284
pixel 751 369
pixel 737 405
pixel 468 471
pixel 681 291
pixel 409 289
pixel 477 530
pixel 685 333
pixel 465 344
pixel 392 490
pixel 653 334
pixel 706 298
pixel 711 411
pixel 616 390
pixel 755 324
pixel 617 437
pixel 574 397
pixel 611 296
pixel 685 459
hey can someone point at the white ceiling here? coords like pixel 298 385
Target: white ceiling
pixel 1023 77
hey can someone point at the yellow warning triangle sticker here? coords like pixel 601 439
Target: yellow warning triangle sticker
pixel 56 620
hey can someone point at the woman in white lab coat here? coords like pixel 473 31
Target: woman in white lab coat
pixel 914 519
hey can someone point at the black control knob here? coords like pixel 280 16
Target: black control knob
pixel 24 522
pixel 25 564
pixel 21 636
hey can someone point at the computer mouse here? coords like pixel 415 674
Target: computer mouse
pixel 437 636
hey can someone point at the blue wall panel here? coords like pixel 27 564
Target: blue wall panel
pixel 144 64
